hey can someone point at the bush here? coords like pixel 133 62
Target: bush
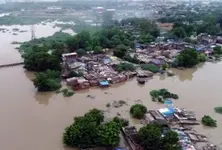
pixel 125 67
pixel 208 121
pixel 218 110
pixel 202 57
pixel 150 67
pixel 81 52
pixel 134 60
pixel 164 66
pixel 154 93
pixel 138 111
pixel 67 93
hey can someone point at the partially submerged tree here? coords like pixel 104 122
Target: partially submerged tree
pixel 47 81
pixel 138 111
pixel 188 58
pixel 208 121
pixel 218 110
pixel 89 131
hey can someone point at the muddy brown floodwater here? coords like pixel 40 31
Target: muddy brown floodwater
pixel 36 121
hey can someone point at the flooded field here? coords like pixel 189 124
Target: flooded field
pixel 36 121
pixel 8 53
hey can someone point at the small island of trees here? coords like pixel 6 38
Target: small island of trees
pixel 208 121
pixel 161 94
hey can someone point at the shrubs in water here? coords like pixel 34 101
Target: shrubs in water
pixel 164 66
pixel 138 111
pixel 125 67
pixel 66 92
pixel 208 121
pixel 150 67
pixel 47 81
pixel 218 110
pixel 159 95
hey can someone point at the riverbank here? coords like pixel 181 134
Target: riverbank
pixel 42 117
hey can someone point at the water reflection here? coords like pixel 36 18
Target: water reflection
pixel 43 97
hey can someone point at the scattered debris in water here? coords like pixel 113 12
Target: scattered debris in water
pixel 119 103
pixel 108 105
pixel 138 101
pixel 118 114
pixel 90 96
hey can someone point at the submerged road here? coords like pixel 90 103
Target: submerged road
pixel 11 64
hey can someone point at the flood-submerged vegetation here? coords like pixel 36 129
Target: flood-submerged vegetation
pixel 91 131
pixel 162 94
pixel 47 81
pixel 208 121
pixel 218 110
pixel 66 92
pixel 138 111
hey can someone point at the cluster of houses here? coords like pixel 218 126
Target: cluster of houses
pixel 178 120
pixel 160 53
pixel 97 70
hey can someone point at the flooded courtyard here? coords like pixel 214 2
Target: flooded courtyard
pixel 36 121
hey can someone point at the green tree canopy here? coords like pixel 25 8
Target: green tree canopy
pixel 109 134
pixel 188 58
pixel 47 81
pixel 40 60
pixel 89 131
pixel 138 111
pixel 120 51
pixel 150 138
pixel 208 121
pixel 179 32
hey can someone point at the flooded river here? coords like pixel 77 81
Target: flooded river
pixel 36 121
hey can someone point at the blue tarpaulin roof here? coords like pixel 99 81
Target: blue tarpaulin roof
pixel 168 102
pixel 104 83
pixel 167 111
